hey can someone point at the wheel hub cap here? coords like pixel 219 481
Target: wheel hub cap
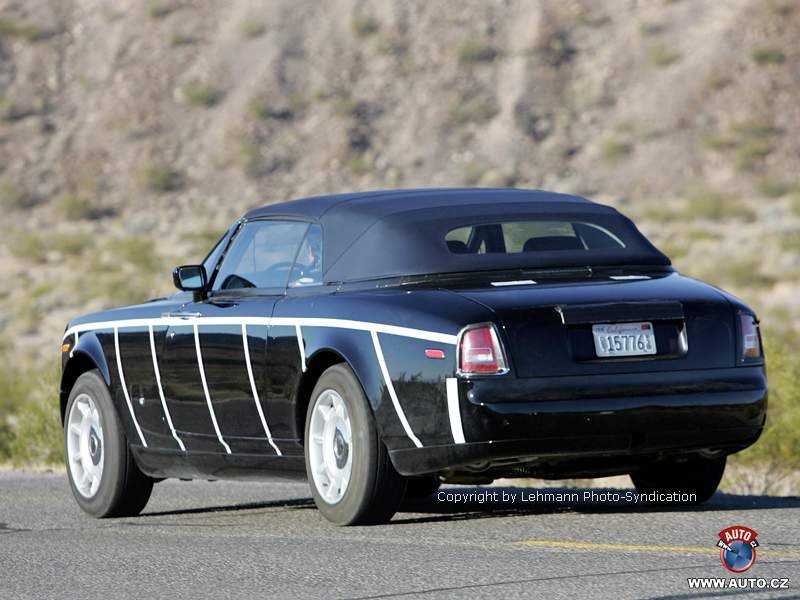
pixel 85 455
pixel 94 446
pixel 340 448
pixel 330 439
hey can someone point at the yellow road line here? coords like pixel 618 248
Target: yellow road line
pixel 646 548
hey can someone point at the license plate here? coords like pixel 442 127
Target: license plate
pixel 624 339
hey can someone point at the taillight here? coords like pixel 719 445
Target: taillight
pixel 751 341
pixel 480 352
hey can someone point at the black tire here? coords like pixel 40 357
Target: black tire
pixel 697 475
pixel 123 490
pixel 418 488
pixel 375 490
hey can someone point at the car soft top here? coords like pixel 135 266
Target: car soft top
pixel 393 233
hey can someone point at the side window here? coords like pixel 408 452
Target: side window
pixel 308 266
pixel 261 256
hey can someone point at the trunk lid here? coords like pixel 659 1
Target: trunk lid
pixel 547 327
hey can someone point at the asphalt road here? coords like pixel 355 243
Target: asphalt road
pixel 266 540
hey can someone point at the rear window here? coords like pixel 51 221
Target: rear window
pixel 515 237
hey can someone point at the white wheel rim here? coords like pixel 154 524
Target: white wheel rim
pixel 330 450
pixel 85 446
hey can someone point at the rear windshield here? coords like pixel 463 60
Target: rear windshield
pixel 531 236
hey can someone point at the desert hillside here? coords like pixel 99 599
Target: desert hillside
pixel 133 132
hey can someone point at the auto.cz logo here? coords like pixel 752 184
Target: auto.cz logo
pixel 739 583
pixel 737 552
pixel 737 548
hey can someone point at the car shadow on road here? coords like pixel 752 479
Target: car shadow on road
pixel 296 503
pixel 468 503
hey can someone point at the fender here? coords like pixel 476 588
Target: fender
pixel 84 356
pixel 354 348
pixel 421 415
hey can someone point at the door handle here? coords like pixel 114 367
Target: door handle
pixel 181 315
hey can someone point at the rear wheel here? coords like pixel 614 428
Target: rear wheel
pixel 353 481
pixel 102 473
pixel 699 476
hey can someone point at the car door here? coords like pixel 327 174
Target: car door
pixel 215 348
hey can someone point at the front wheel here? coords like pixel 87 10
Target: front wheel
pixel 353 481
pixel 102 473
pixel 699 476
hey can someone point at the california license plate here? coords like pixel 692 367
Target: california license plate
pixel 624 339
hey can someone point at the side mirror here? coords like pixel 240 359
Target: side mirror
pixel 191 278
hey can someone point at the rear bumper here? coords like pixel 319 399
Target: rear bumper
pixel 560 426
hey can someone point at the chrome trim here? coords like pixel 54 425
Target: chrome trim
pixel 683 339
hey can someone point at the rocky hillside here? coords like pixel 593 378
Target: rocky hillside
pixel 133 132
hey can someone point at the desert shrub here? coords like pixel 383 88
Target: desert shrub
pixel 614 149
pixel 11 111
pixel 160 178
pixel 28 246
pixel 781 8
pixel 200 93
pixel 717 81
pixel 20 31
pixel 757 129
pixel 773 188
pixel 6 433
pixel 12 388
pixel 463 110
pixel 130 270
pixel 473 172
pixel 745 273
pixel 349 106
pixel 661 56
pixel 37 437
pixel 776 455
pixel 261 110
pixel 252 28
pixel 716 206
pixel 139 254
pixel 12 196
pixel 553 44
pixel 177 39
pixel 475 51
pixel 767 56
pixel 69 244
pixel 719 141
pixel 365 26
pixel 358 164
pixel 250 159
pixel 791 242
pixel 582 15
pixel 158 9
pixel 203 240
pixel 752 153
pixel 75 207
pixel 650 28
pixel 794 204
pixel 393 43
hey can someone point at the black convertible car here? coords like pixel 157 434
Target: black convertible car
pixel 382 343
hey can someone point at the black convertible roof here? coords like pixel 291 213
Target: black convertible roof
pixel 402 232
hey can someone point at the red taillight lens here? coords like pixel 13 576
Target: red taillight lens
pixel 480 352
pixel 751 342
